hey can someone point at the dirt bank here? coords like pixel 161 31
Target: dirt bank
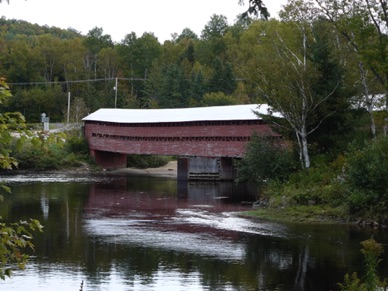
pixel 169 170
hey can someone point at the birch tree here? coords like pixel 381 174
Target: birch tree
pixel 287 74
pixel 363 24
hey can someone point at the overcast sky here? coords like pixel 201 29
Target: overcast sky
pixel 120 17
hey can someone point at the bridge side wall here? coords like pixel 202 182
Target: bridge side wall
pixel 204 140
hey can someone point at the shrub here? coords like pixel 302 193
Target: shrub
pixel 366 175
pixel 144 161
pixel 371 251
pixel 265 160
pixel 76 143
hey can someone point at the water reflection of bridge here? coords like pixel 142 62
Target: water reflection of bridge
pixel 163 197
pixel 206 140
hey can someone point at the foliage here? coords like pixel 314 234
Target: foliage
pixel 371 251
pixel 265 160
pixel 299 213
pixel 316 186
pixel 76 143
pixel 6 161
pixel 216 27
pixel 54 151
pixel 77 110
pixel 366 176
pixel 218 99
pixel 256 8
pixel 222 79
pixel 15 240
pixel 143 161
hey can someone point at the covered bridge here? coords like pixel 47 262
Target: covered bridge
pixel 206 139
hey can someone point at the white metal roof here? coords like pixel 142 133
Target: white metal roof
pixel 213 113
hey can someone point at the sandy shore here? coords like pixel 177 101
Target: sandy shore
pixel 169 170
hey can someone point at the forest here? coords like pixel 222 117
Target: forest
pixel 322 64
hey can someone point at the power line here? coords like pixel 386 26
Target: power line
pixel 74 81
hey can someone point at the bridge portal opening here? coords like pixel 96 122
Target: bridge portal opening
pixel 206 168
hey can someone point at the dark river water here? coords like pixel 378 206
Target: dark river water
pixel 141 233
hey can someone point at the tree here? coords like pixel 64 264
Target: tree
pixel 215 28
pixel 174 91
pixel 78 110
pixel 363 25
pixel 366 176
pixel 218 99
pixel 15 238
pixel 222 79
pixel 264 160
pixel 96 41
pixel 287 75
pixel 187 33
pixel 198 89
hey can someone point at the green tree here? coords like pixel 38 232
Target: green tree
pixel 95 41
pixel 288 75
pixel 216 27
pixel 212 44
pixel 187 33
pixel 137 56
pixel 222 79
pixel 264 160
pixel 198 88
pixel 362 24
pixel 366 176
pixel 218 99
pixel 78 110
pixel 15 238
pixel 174 91
pixel 333 135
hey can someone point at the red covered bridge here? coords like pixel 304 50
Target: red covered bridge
pixel 206 139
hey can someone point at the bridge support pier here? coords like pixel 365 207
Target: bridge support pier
pixel 109 160
pixel 203 168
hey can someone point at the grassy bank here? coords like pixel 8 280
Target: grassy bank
pixel 352 187
pixel 301 214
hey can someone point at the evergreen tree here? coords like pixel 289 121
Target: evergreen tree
pixel 175 88
pixel 222 79
pixel 197 87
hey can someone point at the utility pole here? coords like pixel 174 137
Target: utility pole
pixel 68 107
pixel 115 88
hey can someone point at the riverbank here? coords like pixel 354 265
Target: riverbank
pixel 170 170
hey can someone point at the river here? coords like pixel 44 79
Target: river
pixel 121 232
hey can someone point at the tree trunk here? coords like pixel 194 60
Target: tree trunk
pixel 367 97
pixel 304 148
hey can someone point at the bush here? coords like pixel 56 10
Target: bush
pixel 144 161
pixel 315 186
pixel 265 160
pixel 76 143
pixel 366 176
pixel 52 152
pixel 40 158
